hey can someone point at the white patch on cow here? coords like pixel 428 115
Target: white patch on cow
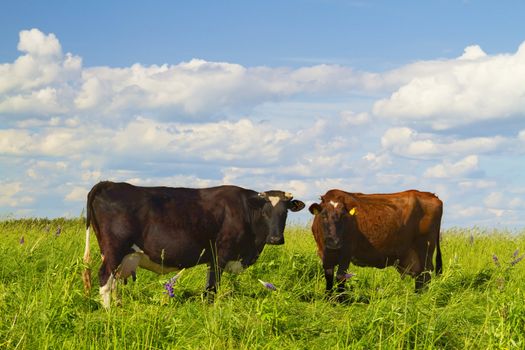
pixel 274 200
pixel 335 204
pixel 234 267
pixel 105 291
pixel 140 259
pixel 129 265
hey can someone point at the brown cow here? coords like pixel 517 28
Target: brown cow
pixel 378 230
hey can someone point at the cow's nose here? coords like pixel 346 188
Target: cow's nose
pixel 332 244
pixel 275 240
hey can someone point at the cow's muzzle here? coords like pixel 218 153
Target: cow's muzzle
pixel 275 240
pixel 332 244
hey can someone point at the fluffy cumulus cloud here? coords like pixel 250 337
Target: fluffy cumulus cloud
pixel 63 127
pixel 40 81
pixel 473 87
pixel 215 141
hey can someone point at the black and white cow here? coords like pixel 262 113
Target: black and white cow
pixel 164 229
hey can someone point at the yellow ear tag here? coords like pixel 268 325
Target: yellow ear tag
pixel 316 211
pixel 352 211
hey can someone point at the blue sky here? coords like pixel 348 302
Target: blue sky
pixel 302 96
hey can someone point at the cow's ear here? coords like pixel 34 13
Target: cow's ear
pixel 315 209
pixel 257 202
pixel 295 205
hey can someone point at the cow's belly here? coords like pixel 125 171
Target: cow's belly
pixel 141 259
pixel 176 250
pixel 374 260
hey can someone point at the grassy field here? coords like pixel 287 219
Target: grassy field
pixel 476 304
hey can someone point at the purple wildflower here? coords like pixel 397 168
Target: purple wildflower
pixel 22 240
pixel 516 252
pixel 59 229
pixel 496 260
pixel 268 285
pixel 169 289
pixel 171 283
pixel 517 260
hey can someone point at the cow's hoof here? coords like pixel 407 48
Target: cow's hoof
pixel 209 296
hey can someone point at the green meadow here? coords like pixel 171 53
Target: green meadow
pixel 478 302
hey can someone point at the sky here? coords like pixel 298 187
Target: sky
pixel 301 96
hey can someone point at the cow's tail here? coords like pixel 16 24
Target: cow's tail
pixel 86 273
pixel 439 261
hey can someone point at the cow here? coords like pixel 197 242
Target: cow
pixel 378 230
pixel 165 229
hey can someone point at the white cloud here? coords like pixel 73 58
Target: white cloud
pixel 12 194
pixel 354 119
pixel 200 89
pixel 225 141
pixel 494 199
pixel 37 43
pixel 461 168
pixel 472 52
pixel 477 184
pixel 41 101
pixel 377 161
pixel 409 143
pixel 57 141
pixel 40 169
pixel 196 89
pixel 77 194
pixel 42 68
pixel 474 87
pixel 500 200
pixel 468 211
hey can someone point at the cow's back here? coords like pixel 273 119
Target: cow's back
pixel 175 208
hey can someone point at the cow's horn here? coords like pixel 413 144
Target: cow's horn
pixel 288 195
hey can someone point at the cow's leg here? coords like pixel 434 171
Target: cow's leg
pixel 215 269
pixel 213 277
pixel 422 280
pixel 426 250
pixel 107 278
pixel 342 270
pixel 107 284
pixel 329 263
pixel 412 264
pixel 329 277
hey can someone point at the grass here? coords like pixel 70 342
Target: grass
pixel 475 304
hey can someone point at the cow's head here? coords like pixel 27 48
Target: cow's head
pixel 332 214
pixel 274 206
